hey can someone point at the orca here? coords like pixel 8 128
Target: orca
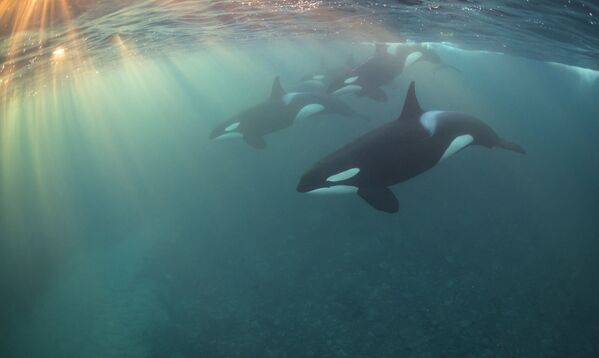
pixel 397 151
pixel 319 80
pixel 278 112
pixel 368 78
pixel 415 53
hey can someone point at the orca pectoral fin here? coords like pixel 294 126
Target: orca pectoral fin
pixel 380 198
pixel 511 146
pixel 375 93
pixel 255 141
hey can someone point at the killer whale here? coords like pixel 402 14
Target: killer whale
pixel 368 78
pixel 319 80
pixel 415 53
pixel 398 151
pixel 278 112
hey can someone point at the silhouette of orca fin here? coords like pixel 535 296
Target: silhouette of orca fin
pixel 380 198
pixel 277 90
pixel 255 141
pixel 411 108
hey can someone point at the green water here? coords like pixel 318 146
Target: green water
pixel 127 233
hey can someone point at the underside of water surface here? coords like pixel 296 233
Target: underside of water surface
pixel 125 231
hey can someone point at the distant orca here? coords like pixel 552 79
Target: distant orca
pixel 423 53
pixel 279 111
pixel 368 78
pixel 398 151
pixel 319 80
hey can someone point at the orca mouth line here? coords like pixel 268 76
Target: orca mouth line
pixel 306 185
pixel 327 189
pixel 302 188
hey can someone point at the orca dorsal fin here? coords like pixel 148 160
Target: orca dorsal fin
pixel 411 108
pixel 277 90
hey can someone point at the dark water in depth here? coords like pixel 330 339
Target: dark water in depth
pixel 125 232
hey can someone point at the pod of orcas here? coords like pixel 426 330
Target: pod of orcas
pixel 395 152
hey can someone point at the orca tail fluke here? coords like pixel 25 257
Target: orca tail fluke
pixel 511 146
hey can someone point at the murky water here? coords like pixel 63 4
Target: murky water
pixel 126 232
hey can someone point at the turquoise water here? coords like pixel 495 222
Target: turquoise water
pixel 126 232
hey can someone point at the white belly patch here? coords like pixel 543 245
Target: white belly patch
pixel 309 110
pixel 348 89
pixel 346 174
pixel 456 145
pixel 336 189
pixel 229 135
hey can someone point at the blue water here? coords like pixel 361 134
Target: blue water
pixel 125 232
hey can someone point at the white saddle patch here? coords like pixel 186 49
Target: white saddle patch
pixel 348 89
pixel 346 174
pixel 429 121
pixel 413 57
pixel 351 80
pixel 392 48
pixel 288 97
pixel 336 189
pixel 230 135
pixel 309 110
pixel 232 127
pixel 318 77
pixel 456 145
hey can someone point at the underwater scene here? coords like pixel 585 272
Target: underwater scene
pixel 207 178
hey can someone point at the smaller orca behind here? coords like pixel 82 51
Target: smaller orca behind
pixel 277 112
pixel 415 53
pixel 398 151
pixel 368 78
pixel 318 81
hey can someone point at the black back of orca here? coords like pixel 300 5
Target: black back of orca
pixel 398 151
pixel 255 122
pixel 379 70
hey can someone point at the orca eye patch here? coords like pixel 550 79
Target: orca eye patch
pixel 232 127
pixel 344 175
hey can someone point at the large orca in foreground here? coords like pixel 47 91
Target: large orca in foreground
pixel 279 111
pixel 398 151
pixel 368 78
